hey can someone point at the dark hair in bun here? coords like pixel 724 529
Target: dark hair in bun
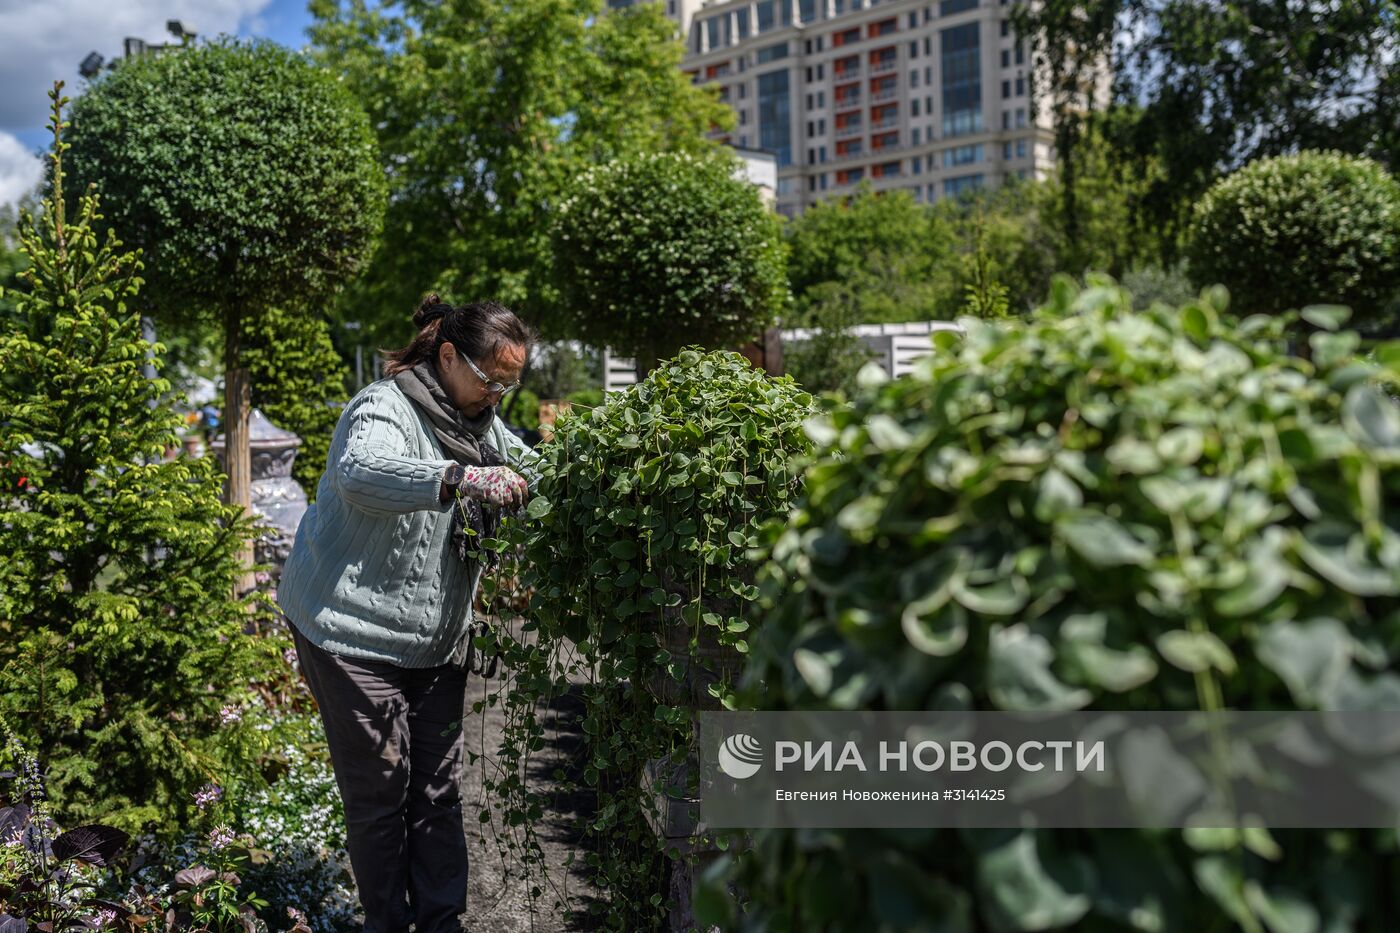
pixel 478 330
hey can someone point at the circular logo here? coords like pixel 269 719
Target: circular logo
pixel 740 756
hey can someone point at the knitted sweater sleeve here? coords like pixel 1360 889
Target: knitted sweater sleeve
pixel 376 471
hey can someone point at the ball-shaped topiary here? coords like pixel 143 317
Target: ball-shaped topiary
pixel 1302 229
pixel 637 556
pixel 662 250
pixel 1099 508
pixel 246 175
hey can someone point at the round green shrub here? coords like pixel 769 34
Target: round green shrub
pixel 1309 228
pixel 636 553
pixel 663 250
pixel 1097 508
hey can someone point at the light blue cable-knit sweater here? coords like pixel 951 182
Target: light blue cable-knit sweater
pixel 372 574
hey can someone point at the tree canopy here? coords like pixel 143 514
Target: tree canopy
pixel 484 112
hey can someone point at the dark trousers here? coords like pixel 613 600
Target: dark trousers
pixel 396 745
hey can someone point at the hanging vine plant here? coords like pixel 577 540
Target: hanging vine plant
pixel 636 556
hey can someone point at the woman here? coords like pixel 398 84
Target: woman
pixel 379 588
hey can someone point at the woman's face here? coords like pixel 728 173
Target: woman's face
pixel 465 389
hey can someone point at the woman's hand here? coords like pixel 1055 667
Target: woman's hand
pixel 498 485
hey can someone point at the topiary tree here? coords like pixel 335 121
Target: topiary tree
pixel 1097 509
pixel 636 557
pixel 299 381
pixel 123 658
pixel 1301 229
pixel 659 251
pixel 250 179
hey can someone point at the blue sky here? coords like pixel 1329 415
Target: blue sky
pixel 43 40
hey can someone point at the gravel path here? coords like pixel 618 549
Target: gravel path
pixel 498 901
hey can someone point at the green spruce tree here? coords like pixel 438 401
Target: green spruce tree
pixel 123 657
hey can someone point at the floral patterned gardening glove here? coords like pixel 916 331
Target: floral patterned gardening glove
pixel 498 485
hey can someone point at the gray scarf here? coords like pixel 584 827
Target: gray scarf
pixel 465 440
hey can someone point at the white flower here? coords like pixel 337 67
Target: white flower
pixel 230 714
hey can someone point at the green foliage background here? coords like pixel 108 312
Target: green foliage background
pixel 299 382
pixel 1098 509
pixel 120 641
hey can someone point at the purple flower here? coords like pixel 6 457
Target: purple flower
pixel 221 837
pixel 208 795
pixel 230 714
pixel 104 918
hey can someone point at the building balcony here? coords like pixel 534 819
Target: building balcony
pixel 841 74
pixel 884 67
pixel 889 93
pixel 851 129
pixel 849 154
pixel 885 122
pixel 849 102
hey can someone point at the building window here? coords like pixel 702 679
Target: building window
pixel 914 19
pixel 821 72
pixel 917 165
pixel 811 129
pixel 821 127
pixel 1020 118
pixel 1006 90
pixel 712 31
pixel 928 49
pixel 962 155
pixel 1006 58
pixel 809 99
pixel 743 118
pixel 914 50
pixel 764 13
pixel 1021 87
pixel 808 10
pixel 1006 151
pixel 811 183
pixel 1020 54
pixel 786 186
pixel 821 99
pixel 771 52
pixel 962 80
pixel 1020 148
pixel 914 107
pixel 775 115
pixel 1005 28
pixel 1006 119
pixel 913 79
pixel 821 153
pixel 743 90
pixel 928 75
pixel 950 7
pixel 743 142
pixel 743 23
pixel 914 136
pixel 953 187
pixel 822 176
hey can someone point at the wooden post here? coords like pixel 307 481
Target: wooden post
pixel 238 399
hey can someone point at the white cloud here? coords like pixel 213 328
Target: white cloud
pixel 19 169
pixel 44 40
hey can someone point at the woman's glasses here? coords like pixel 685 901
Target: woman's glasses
pixel 492 387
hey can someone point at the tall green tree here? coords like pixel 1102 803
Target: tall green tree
pixel 250 179
pixel 123 658
pixel 484 112
pixel 882 248
pixel 1201 88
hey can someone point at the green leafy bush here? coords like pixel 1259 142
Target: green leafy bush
pixel 1301 229
pixel 123 657
pixel 659 251
pixel 636 554
pixel 299 382
pixel 1098 508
